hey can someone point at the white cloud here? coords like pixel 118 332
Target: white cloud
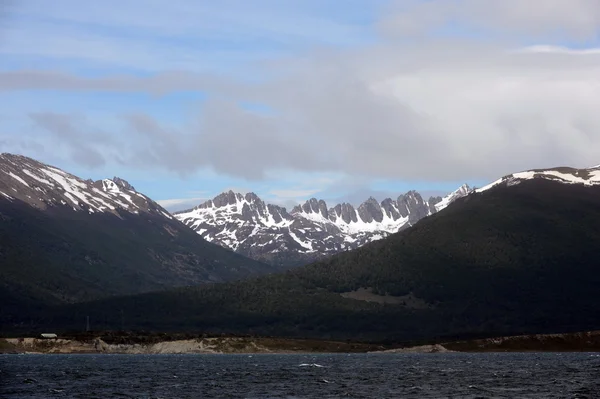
pixel 560 50
pixel 435 109
pixel 437 113
pixel 180 203
pixel 192 199
pixel 285 194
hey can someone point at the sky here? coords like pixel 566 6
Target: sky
pixel 292 99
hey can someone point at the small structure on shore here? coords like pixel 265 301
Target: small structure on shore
pixel 48 335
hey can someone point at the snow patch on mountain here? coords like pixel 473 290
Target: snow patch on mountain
pixel 587 177
pixel 462 191
pixel 263 231
pixel 44 186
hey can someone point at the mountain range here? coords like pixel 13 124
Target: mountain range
pixel 516 257
pixel 65 239
pixel 311 231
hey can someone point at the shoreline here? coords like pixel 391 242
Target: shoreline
pixel 588 341
pixel 216 345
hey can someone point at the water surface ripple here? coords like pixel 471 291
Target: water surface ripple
pixel 450 375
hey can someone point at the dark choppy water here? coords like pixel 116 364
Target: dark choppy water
pixel 453 375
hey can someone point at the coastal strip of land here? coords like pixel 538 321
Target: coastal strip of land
pixel 112 343
pixel 205 345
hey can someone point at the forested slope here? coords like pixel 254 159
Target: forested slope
pixel 515 259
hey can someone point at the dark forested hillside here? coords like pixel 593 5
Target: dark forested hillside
pixel 510 260
pixel 64 239
pixel 57 256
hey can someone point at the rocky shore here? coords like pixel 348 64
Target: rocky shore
pixel 588 341
pixel 218 345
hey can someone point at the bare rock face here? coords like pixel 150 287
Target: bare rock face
pixel 390 208
pixel 432 202
pixel 370 211
pixel 310 231
pixel 345 212
pixel 413 206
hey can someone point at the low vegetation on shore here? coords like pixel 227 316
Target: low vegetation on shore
pixel 160 343
pixel 144 343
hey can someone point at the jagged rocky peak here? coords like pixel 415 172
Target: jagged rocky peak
pixel 113 185
pixel 254 203
pixel 311 230
pixel 123 183
pixel 463 190
pixel 434 199
pixel 232 198
pixel 432 202
pixel 370 210
pixel 249 208
pixel 227 198
pixel 253 198
pixel 411 197
pixel 344 211
pixel 313 205
pixel 390 208
pixel 278 213
pixel 412 205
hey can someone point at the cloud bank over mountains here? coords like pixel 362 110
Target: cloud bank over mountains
pixel 442 90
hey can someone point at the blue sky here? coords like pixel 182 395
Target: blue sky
pixel 299 98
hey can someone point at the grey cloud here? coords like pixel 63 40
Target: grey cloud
pixel 439 110
pixel 12 144
pixel 577 19
pixel 240 142
pixel 436 117
pixel 165 82
pixel 180 204
pixel 82 144
pixel 87 156
pixel 226 138
pixel 156 145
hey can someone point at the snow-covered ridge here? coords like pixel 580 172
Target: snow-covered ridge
pixel 247 224
pixel 43 186
pixel 462 191
pixel 566 175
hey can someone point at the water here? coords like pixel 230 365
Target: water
pixel 451 375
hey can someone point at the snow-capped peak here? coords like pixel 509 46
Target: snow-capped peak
pixel 566 175
pixel 110 186
pixel 311 230
pixel 462 191
pixel 43 186
pixel 116 185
